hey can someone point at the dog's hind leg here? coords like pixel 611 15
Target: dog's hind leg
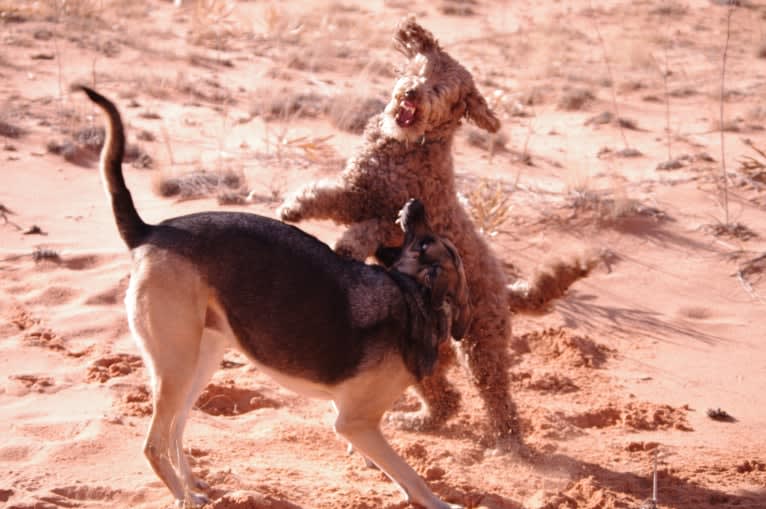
pixel 166 308
pixel 211 352
pixel 488 358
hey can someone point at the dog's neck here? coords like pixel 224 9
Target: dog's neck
pixel 442 134
pixel 438 138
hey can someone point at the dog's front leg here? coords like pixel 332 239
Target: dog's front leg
pixel 365 436
pixel 325 199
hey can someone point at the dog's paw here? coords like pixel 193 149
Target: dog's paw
pixel 290 211
pixel 192 500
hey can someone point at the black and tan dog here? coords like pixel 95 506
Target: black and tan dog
pixel 319 324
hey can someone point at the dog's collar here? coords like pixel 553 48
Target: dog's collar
pixel 441 134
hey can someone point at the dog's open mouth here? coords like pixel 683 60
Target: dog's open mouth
pixel 405 117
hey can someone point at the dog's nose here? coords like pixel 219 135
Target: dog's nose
pixel 410 94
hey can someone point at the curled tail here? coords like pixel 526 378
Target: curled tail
pixel 130 225
pixel 549 282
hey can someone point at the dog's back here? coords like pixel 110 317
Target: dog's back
pixel 291 302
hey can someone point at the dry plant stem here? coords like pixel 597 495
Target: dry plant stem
pixel 611 80
pixel 664 74
pixel 166 139
pixel 654 478
pixel 729 12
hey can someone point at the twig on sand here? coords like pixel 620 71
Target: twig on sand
pixel 652 502
pixel 4 213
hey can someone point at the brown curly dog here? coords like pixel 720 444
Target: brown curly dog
pixel 408 153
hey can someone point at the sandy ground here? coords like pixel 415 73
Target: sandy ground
pixel 611 142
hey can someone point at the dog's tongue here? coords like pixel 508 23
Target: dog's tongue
pixel 406 114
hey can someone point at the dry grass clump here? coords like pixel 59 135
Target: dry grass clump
pixel 754 167
pixel 491 142
pixel 287 105
pixel 489 203
pixel 41 254
pixel 352 113
pixel 214 26
pixel 671 9
pixel 608 210
pixel 224 184
pixel 575 99
pixel 83 148
pixel 458 7
pixel 753 270
pixel 17 11
pixel 10 131
pixel 207 89
pixel 731 230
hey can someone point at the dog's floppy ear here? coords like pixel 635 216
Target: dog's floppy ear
pixel 456 290
pixel 479 112
pixel 410 38
pixel 444 277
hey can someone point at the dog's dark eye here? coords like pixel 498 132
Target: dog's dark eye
pixel 424 246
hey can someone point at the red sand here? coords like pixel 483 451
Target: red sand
pixel 623 368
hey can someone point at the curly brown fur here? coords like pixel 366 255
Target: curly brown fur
pixel 550 282
pixel 407 153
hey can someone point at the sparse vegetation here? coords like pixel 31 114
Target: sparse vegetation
pixel 352 113
pixel 489 203
pixel 84 146
pixel 754 167
pixel 491 142
pixel 606 209
pixel 286 105
pixel 575 99
pixel 249 93
pixel 733 230
pixel 458 7
pixel 202 184
pixel 214 25
pixel 10 131
pixel 43 254
pixel 725 178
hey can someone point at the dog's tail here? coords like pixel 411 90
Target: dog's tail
pixel 549 282
pixel 130 225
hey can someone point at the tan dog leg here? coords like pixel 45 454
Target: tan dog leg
pixel 212 348
pixel 166 307
pixel 364 435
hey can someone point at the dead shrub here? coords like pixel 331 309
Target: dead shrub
pixel 201 184
pixel 10 131
pixel 575 99
pixel 352 113
pixel 489 203
pixel 83 148
pixel 287 105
